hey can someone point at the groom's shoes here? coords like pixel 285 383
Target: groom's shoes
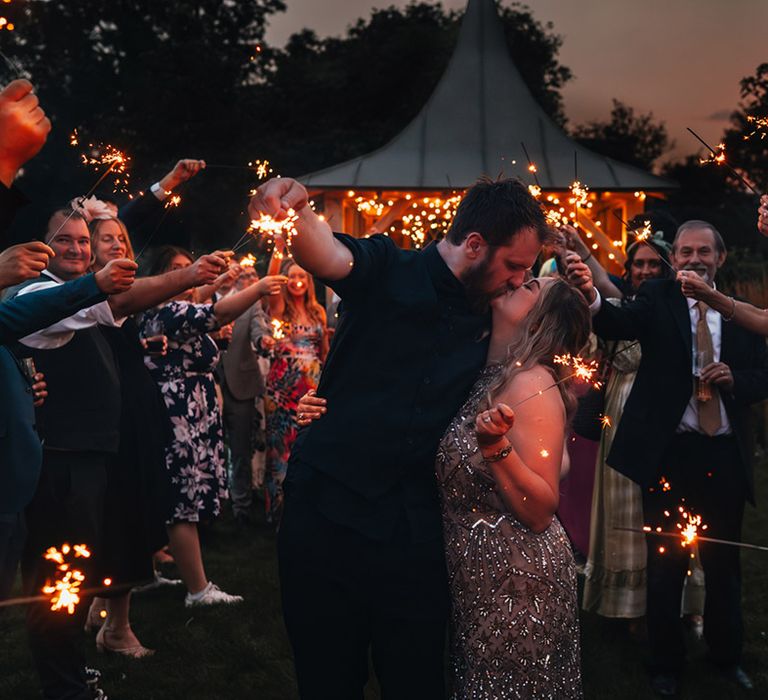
pixel 664 684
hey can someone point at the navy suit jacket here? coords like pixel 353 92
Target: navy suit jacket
pixel 20 449
pixel 659 318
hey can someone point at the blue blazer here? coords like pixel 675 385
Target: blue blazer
pixel 20 449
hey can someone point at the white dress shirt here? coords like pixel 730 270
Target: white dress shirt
pixel 62 332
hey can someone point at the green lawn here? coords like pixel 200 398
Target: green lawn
pixel 242 652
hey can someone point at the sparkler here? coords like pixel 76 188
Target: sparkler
pixel 248 261
pixel 583 370
pixel 605 421
pixel 718 157
pixel 761 127
pixel 173 201
pixel 531 166
pixel 262 168
pixel 269 227
pixel 642 236
pixel 278 331
pixel 65 591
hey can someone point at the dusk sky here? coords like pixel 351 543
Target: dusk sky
pixel 680 59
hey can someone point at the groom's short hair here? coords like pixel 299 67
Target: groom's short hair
pixel 497 210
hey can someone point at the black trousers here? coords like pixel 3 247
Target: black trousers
pixel 66 508
pixel 345 594
pixel 706 474
pixel 12 534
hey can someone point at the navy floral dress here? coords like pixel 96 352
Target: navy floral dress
pixel 195 456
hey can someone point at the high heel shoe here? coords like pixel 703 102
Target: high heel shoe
pixel 137 651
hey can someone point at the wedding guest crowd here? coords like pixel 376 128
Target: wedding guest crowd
pixel 423 496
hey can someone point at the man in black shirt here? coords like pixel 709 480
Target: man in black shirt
pixel 360 544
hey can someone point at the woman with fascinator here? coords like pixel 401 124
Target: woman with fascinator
pixel 615 584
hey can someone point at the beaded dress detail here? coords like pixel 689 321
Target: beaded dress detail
pixel 514 617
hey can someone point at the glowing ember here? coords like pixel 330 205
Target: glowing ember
pixel 248 261
pixel 532 168
pixel 535 191
pixel 65 589
pixel 267 226
pixel 579 194
pixel 173 201
pixel 760 125
pixel 262 168
pixel 717 156
pixel 606 422
pixel 278 333
pixel 689 527
pixel 643 234
pixel 665 485
pixel 74 138
pixel 99 155
pixel 581 369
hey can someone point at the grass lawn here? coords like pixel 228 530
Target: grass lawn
pixel 242 652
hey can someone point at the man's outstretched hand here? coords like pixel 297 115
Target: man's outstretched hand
pixel 276 197
pixel 23 128
pixel 116 276
pixel 23 262
pixel 184 170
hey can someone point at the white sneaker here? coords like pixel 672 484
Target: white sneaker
pixel 211 595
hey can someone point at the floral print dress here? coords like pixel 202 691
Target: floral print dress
pixel 294 371
pixel 195 456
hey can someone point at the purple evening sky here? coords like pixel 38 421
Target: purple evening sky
pixel 680 59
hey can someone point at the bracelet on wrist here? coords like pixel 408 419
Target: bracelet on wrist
pixel 587 258
pixel 499 454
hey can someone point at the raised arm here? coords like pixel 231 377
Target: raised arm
pixel 600 277
pixel 151 291
pixel 524 450
pixel 228 309
pixel 314 248
pixel 741 312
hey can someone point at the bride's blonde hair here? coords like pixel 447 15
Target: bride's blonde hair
pixel 558 324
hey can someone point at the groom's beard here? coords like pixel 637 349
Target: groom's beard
pixel 474 281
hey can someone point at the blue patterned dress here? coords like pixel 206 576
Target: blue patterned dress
pixel 195 457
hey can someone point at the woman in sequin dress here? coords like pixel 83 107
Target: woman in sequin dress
pixel 301 345
pixel 514 618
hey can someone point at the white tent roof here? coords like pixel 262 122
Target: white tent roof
pixel 473 125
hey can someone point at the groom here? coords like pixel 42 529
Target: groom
pixel 360 545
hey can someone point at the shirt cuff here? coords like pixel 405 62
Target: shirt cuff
pixel 594 307
pixel 159 192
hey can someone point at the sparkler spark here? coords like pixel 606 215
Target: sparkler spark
pixel 64 591
pixel 579 194
pixel 606 422
pixel 248 261
pixel 544 453
pixel 717 156
pixel 173 201
pixel 278 332
pixel 581 369
pixel 101 154
pixel 262 168
pixel 535 191
pixel 761 127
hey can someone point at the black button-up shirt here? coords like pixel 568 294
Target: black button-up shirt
pixel 407 350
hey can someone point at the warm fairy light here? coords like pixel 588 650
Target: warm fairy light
pixel 103 614
pixel 278 333
pixel 64 591
pixel 606 422
pixel 760 125
pixel 641 195
pixel 662 550
pixel 262 168
pixel 248 261
pixel 535 191
pixel 717 156
pixel 107 581
pixel 173 201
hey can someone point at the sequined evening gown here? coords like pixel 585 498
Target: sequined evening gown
pixel 514 618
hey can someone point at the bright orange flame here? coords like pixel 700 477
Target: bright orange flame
pixel 65 589
pixel 277 329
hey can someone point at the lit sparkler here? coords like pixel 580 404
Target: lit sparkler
pixel 535 191
pixel 579 194
pixel 173 201
pixel 248 261
pixel 605 421
pixel 278 330
pixel 718 157
pixel 643 235
pixel 65 590
pixel 531 166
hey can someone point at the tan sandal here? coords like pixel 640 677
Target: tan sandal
pixel 137 651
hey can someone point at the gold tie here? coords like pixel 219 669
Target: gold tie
pixel 708 401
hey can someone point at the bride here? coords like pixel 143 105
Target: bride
pixel 514 621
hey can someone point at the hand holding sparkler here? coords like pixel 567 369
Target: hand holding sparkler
pixel 693 286
pixel 116 276
pixel 271 284
pixel 276 198
pixel 23 262
pixel 207 268
pixel 24 128
pixel 184 170
pixel 492 425
pixel 578 274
